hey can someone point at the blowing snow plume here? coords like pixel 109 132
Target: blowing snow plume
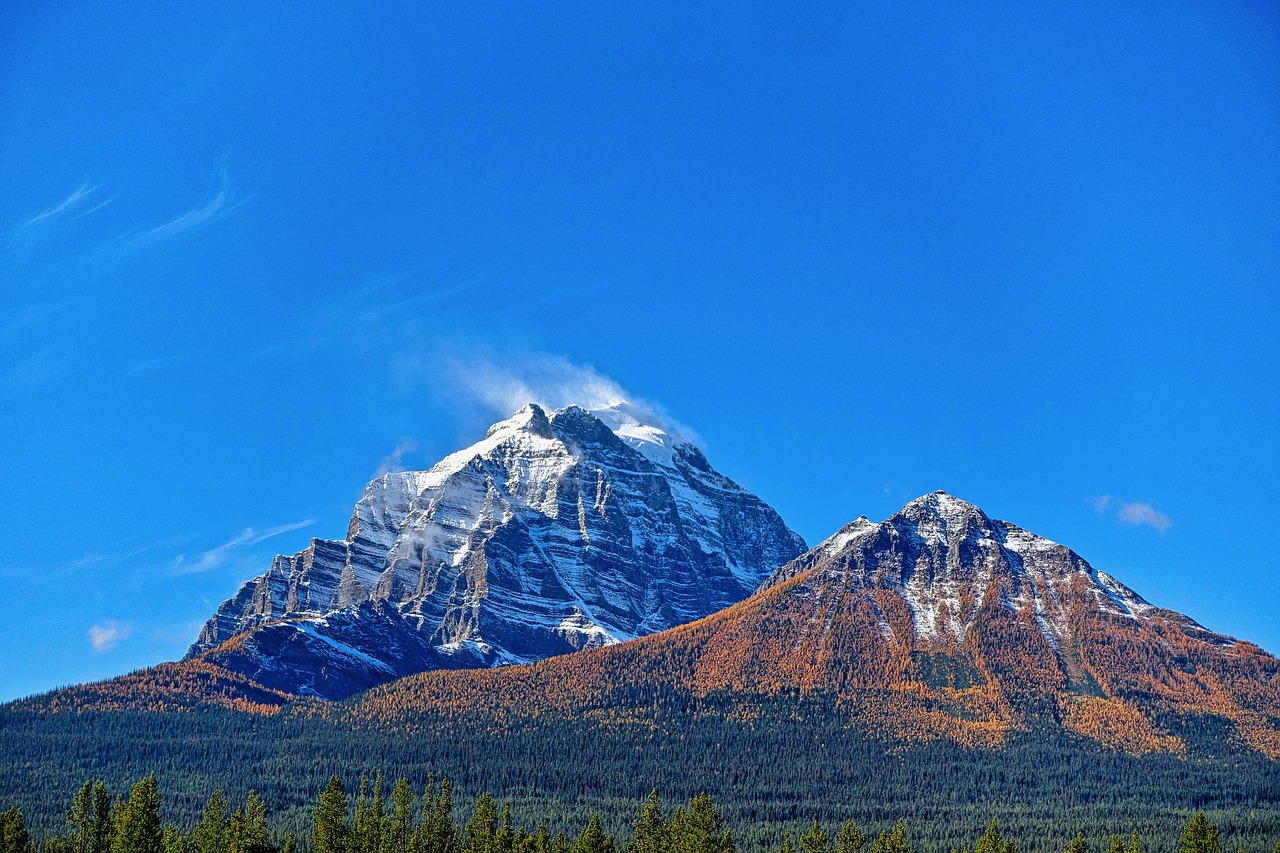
pixel 501 386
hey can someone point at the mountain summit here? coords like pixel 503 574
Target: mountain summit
pixel 555 532
pixel 946 560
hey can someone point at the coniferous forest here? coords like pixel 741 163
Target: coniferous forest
pixel 399 821
pixel 773 769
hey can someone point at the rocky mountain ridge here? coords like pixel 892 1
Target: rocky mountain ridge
pixel 554 533
pixel 938 624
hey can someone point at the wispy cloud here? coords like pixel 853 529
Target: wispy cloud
pixel 151 364
pixel 215 557
pixel 217 208
pixel 385 310
pixel 1132 513
pixel 394 461
pixel 107 636
pixel 76 202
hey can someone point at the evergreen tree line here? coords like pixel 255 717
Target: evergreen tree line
pixel 770 766
pixel 405 823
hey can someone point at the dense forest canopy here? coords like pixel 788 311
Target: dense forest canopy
pixel 398 821
pixel 772 767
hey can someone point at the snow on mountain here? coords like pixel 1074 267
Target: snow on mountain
pixel 555 532
pixel 942 555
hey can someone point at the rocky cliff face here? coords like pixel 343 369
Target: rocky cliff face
pixel 554 533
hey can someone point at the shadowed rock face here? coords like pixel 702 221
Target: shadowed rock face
pixel 554 533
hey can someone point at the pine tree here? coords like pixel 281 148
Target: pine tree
pixel 174 841
pixel 237 830
pixel 699 829
pixel 892 842
pixel 329 820
pixel 138 827
pixel 210 834
pixel 1135 843
pixel 787 846
pixel 115 817
pixel 290 846
pixel 898 838
pixel 1116 845
pixel 482 826
pixel 850 838
pixel 379 813
pixel 442 836
pixel 1078 844
pixel 814 840
pixel 100 826
pixel 991 842
pixel 367 829
pixel 13 833
pixel 1199 836
pixel 649 832
pixel 80 820
pixel 592 839
pixel 505 839
pixel 524 841
pixel 256 836
pixel 420 841
pixel 360 820
pixel 397 835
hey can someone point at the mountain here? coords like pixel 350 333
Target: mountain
pixel 941 665
pixel 939 623
pixel 556 532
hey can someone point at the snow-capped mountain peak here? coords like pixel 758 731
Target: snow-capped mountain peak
pixel 555 531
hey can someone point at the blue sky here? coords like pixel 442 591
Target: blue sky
pixel 865 251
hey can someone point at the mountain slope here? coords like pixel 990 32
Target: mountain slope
pixel 940 665
pixel 939 623
pixel 554 533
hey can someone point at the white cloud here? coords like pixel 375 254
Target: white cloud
pixel 394 461
pixel 215 557
pixel 107 636
pixel 1133 513
pixel 1140 512
pixel 501 385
